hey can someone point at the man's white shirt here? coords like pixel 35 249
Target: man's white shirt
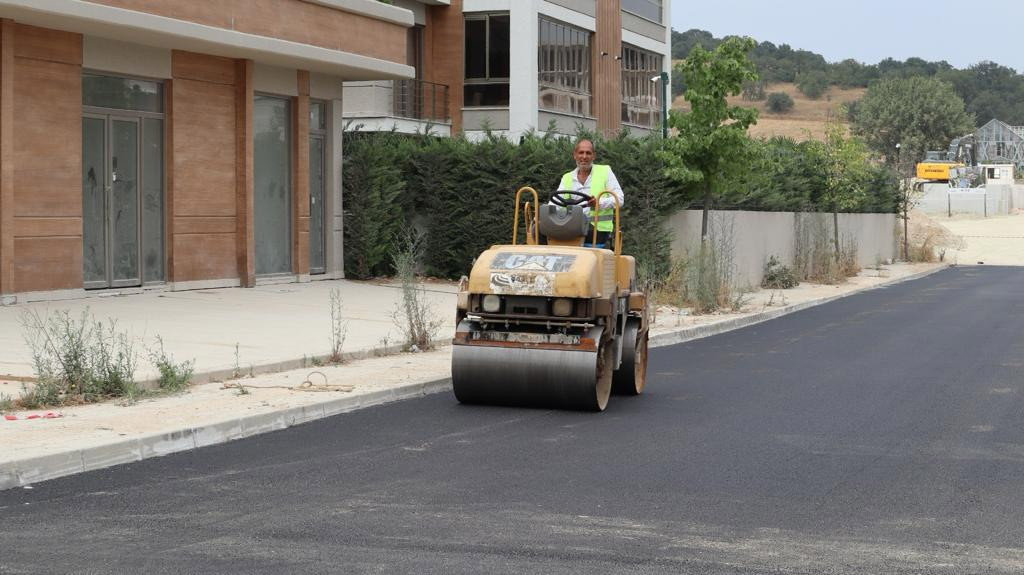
pixel 606 202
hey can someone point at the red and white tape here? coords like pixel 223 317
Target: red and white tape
pixel 47 415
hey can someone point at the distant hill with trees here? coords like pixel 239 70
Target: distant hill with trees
pixel 988 89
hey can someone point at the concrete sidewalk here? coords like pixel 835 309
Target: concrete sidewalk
pixel 275 327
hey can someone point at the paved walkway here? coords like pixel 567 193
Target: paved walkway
pixel 274 327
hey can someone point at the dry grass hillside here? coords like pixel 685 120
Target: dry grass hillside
pixel 807 118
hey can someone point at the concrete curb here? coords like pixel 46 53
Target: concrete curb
pixel 46 467
pixel 700 331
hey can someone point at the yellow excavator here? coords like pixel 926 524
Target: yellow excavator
pixel 557 322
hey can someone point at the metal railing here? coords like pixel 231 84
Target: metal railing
pixel 419 100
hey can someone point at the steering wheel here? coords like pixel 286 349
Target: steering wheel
pixel 578 198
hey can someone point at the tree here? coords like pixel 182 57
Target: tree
pixel 918 113
pixel 813 84
pixel 780 102
pixel 847 169
pixel 712 137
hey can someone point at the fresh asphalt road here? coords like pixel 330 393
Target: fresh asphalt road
pixel 881 433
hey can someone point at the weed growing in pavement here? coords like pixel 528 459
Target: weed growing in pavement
pixel 6 403
pixel 710 272
pixel 174 376
pixel 237 371
pixel 339 327
pixel 76 360
pixel 815 254
pixel 778 276
pixel 413 315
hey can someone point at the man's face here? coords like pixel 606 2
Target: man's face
pixel 584 155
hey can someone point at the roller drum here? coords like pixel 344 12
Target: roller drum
pixel 562 379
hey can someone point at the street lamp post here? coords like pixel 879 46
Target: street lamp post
pixel 663 77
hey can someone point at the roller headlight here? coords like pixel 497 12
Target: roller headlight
pixel 492 303
pixel 561 307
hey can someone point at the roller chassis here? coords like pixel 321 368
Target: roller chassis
pixel 549 325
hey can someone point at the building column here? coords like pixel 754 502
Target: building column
pixel 300 177
pixel 245 245
pixel 6 157
pixel 444 58
pixel 607 80
pixel 168 239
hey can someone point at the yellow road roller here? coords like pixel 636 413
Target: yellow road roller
pixel 556 323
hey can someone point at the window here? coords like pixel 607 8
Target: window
pixel 641 97
pixel 563 64
pixel 487 60
pixel 648 9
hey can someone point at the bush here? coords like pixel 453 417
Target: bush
pixel 813 84
pixel 460 193
pixel 778 276
pixel 780 102
pixel 174 376
pixel 77 360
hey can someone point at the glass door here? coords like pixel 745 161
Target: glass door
pixel 110 202
pixel 317 160
pixel 272 185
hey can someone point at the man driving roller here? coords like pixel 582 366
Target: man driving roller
pixel 593 179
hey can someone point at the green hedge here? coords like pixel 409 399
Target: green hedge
pixel 462 192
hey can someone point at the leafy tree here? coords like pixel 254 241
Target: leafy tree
pixel 780 102
pixel 712 137
pixel 847 169
pixel 918 113
pixel 813 84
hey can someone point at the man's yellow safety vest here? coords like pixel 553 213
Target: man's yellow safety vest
pixel 598 182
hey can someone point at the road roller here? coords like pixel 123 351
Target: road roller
pixel 556 321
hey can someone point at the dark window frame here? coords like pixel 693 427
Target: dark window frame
pixel 484 86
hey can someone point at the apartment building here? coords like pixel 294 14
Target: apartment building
pixel 179 143
pixel 512 66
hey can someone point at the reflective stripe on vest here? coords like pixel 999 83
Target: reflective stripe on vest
pixel 598 183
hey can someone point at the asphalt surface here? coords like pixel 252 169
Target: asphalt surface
pixel 881 433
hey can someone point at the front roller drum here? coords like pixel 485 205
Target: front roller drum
pixel 561 379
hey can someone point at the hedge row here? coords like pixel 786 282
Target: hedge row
pixel 461 193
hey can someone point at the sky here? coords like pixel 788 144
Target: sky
pixel 870 30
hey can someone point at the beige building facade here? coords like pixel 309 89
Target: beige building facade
pixel 515 66
pixel 176 144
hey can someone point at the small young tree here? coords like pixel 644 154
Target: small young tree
pixel 712 137
pixel 847 169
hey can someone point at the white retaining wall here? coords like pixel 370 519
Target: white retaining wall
pixel 991 200
pixel 759 235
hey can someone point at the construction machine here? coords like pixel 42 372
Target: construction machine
pixel 555 323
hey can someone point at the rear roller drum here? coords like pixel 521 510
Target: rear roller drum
pixel 632 373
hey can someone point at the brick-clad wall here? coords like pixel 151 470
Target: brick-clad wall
pixel 203 208
pixel 47 159
pixel 607 70
pixel 293 20
pixel 444 59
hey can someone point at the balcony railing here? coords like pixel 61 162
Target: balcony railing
pixel 419 100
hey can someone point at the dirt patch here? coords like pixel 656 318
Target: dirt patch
pixel 996 240
pixel 805 121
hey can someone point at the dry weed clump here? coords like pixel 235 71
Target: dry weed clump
pixel 815 253
pixel 929 241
